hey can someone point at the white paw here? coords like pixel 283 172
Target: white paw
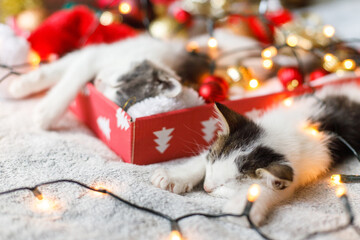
pixel 162 179
pixel 25 84
pixel 46 113
pixel 237 204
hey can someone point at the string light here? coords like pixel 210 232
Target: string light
pixel 293 84
pixel 269 52
pixel 212 42
pixel 37 194
pixel 336 179
pixel 234 74
pixel 349 64
pixel 288 102
pixel 292 40
pixel 192 46
pixel 124 8
pixel 328 31
pixel 34 58
pixel 253 83
pixel 253 193
pixel 267 63
pixel 106 18
pixel 175 235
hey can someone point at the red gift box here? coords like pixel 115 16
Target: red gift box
pixel 165 136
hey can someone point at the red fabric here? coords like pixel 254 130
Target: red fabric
pixel 67 30
pixel 279 17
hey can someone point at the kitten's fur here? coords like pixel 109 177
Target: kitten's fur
pixel 276 150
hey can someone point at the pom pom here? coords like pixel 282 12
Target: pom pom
pixel 67 30
pixel 13 49
pixel 318 73
pixel 212 92
pixel 290 77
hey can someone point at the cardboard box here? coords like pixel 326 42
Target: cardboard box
pixel 165 136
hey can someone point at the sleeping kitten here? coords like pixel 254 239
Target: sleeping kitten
pixel 278 150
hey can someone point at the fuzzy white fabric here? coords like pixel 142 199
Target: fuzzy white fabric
pixel 186 99
pixel 29 156
pixel 13 49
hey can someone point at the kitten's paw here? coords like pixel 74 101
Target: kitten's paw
pixel 45 114
pixel 25 84
pixel 162 179
pixel 237 206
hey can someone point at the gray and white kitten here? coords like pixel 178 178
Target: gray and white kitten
pixel 278 150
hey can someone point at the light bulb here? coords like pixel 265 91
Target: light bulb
pixel 175 235
pixel 288 102
pixel 292 40
pixel 267 63
pixel 336 179
pixel 212 42
pixel 233 73
pixel 349 64
pixel 192 46
pixel 340 191
pixel 106 18
pixel 253 193
pixel 269 52
pixel 254 83
pixel 328 31
pixel 34 58
pixel 124 8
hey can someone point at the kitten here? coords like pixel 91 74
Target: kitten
pixel 277 150
pixel 109 64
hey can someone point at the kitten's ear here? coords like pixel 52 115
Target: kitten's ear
pixel 278 175
pixel 229 119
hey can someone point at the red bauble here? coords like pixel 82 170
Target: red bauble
pixel 182 16
pixel 279 17
pixel 318 73
pixel 212 92
pixel 262 31
pixel 290 77
pixel 220 80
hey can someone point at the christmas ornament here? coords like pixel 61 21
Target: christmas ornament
pixel 290 77
pixel 183 16
pixel 212 92
pixel 318 73
pixel 218 79
pixel 59 35
pixel 165 28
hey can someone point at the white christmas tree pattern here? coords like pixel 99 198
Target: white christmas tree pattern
pixel 104 125
pixel 122 119
pixel 209 129
pixel 163 138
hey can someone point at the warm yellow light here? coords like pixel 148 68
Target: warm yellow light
pixel 192 46
pixel 329 57
pixel 328 31
pixel 267 63
pixel 233 73
pixel 34 58
pixel 175 235
pixel 269 52
pixel 44 204
pixel 212 42
pixel 124 8
pixel 336 179
pixel 288 102
pixel 99 187
pixel 312 130
pixel 253 193
pixel 349 64
pixel 340 191
pixel 254 83
pixel 292 40
pixel 106 18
